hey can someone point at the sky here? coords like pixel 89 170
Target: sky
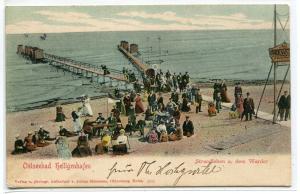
pixel 140 18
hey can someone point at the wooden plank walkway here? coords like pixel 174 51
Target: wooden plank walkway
pixel 80 66
pixel 135 61
pixel 261 114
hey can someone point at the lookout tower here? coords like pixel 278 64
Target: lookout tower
pixel 125 45
pixel 280 56
pixel 134 48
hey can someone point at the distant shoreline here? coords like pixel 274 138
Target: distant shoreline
pixel 121 31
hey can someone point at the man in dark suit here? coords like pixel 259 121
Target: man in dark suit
pixel 284 106
pixel 188 127
pixel 248 107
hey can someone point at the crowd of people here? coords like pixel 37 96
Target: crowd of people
pixel 241 107
pixel 161 119
pixel 158 122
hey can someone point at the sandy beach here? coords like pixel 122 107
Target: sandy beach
pixel 208 130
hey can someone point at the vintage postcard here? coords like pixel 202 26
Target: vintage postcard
pixel 148 96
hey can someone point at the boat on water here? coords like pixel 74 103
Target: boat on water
pixel 43 37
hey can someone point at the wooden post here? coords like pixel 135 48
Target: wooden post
pixel 275 93
pixel 275 69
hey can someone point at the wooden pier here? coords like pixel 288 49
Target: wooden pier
pixel 85 69
pixel 135 61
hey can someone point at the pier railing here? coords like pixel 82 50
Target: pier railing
pixel 135 61
pixel 85 69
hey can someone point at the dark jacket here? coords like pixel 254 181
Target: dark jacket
pixel 283 102
pixel 198 98
pixel 43 134
pixel 74 116
pixel 248 105
pixel 188 127
pixel 237 91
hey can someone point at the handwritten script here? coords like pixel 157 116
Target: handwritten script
pixel 154 168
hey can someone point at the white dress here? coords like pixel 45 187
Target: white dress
pixel 87 109
pixel 62 147
pixel 77 123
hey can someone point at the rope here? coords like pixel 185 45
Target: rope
pixel 267 80
pixel 283 27
pixel 286 73
pixel 286 14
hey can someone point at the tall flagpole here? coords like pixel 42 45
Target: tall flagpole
pixel 275 68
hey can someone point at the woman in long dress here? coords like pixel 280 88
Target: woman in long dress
pixel 62 148
pixel 87 109
pixel 76 121
pixel 60 116
pixel 239 105
pixel 224 95
pixel 139 108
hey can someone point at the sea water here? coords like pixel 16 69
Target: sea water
pixel 226 54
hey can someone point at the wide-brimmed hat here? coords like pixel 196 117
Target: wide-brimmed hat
pixel 30 133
